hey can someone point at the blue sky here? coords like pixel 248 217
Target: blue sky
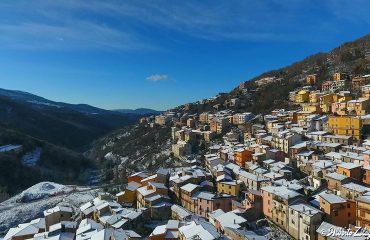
pixel 159 54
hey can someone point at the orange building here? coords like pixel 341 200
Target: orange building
pixel 242 156
pixel 351 170
pixel 338 211
pixel 311 79
pixel 213 125
pixel 137 177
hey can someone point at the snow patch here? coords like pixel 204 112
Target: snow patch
pixel 30 159
pixel 44 103
pixel 14 213
pixel 40 191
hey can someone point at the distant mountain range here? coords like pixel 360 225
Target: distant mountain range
pixel 73 126
pixel 59 131
pixel 38 101
pixel 139 111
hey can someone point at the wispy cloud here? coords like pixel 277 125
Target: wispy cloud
pixel 137 25
pixel 157 77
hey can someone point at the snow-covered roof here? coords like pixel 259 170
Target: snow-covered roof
pixel 305 209
pixel 192 230
pixel 21 230
pixel 332 198
pixel 189 187
pixel 58 209
pixel 356 187
pixel 230 220
pixel 348 165
pixel 281 191
pixel 336 176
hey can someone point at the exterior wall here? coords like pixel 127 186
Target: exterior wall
pixel 302 226
pixel 205 206
pixel 186 200
pixel 128 197
pixel 354 173
pixel 231 189
pixel 363 215
pixel 56 217
pixel 250 184
pixel 267 204
pixel 366 178
pixel 243 156
pixel 302 97
pixel 345 125
pixel 339 214
pixel 280 214
pixel 358 107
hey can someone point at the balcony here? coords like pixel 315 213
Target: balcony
pixel 363 219
pixel 306 222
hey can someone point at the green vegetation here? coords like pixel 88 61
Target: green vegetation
pixel 55 164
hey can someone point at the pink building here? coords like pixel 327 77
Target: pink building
pixel 339 108
pixel 208 202
pixel 366 178
pixel 366 158
pixel 267 204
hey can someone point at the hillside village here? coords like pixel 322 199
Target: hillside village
pixel 294 173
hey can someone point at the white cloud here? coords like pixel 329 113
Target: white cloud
pixel 123 25
pixel 157 77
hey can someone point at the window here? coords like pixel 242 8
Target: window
pixel 348 205
pixel 336 213
pixel 349 214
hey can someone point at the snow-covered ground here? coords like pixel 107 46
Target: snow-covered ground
pixel 44 103
pixel 39 191
pixel 10 147
pixel 41 196
pixel 30 159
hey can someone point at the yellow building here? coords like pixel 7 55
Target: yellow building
pixel 358 106
pixel 340 76
pixel 314 96
pixel 336 76
pixel 327 100
pixel 129 195
pixel 363 212
pixel 302 96
pixel 345 125
pixel 231 188
pixel 311 108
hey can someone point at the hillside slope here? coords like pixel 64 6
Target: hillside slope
pixel 128 150
pixel 15 211
pixel 59 125
pixel 38 161
pixel 352 58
